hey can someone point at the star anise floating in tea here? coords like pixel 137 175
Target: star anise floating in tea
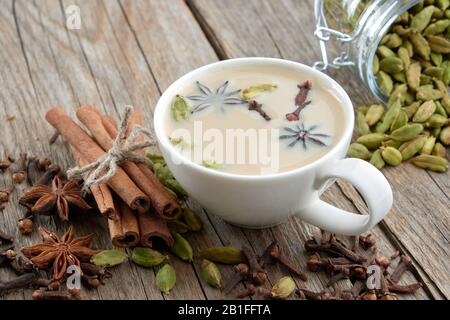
pixel 304 136
pixel 42 199
pixel 218 97
pixel 60 252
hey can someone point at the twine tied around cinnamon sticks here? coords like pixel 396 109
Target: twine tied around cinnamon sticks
pixel 123 148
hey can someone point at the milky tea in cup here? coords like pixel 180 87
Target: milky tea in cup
pixel 254 120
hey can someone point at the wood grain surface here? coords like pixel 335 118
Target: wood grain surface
pixel 128 52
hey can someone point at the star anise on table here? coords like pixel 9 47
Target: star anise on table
pixel 60 252
pixel 42 199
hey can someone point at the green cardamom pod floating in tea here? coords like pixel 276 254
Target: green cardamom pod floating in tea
pixel 109 258
pixel 146 257
pixel 407 132
pixel 432 163
pixel 180 109
pixel 192 219
pixel 283 288
pixel 357 150
pixel 225 255
pixel 254 91
pixel 374 114
pixel 424 112
pixel 166 278
pixel 371 140
pixel 392 156
pixel 377 160
pixel 211 274
pixel 181 248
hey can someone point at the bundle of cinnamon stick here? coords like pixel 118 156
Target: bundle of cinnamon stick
pixel 134 201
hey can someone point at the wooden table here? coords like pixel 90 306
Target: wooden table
pixel 128 52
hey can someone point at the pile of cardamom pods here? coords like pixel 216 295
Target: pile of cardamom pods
pixel 412 66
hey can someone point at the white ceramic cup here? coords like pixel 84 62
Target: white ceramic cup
pixel 267 200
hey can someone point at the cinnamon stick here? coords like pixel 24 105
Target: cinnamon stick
pixel 90 151
pixel 124 232
pixel 164 204
pixel 151 226
pixel 101 193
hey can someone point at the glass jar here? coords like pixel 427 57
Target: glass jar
pixel 359 26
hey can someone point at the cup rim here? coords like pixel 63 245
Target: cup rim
pixel 167 95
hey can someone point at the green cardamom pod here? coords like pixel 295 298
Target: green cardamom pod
pixel 442 4
pixel 385 82
pixel 283 288
pixel 212 164
pixel 374 114
pixel 435 132
pixel 109 258
pixel 391 156
pixel 226 255
pixel 447 12
pixel 357 150
pixel 428 145
pixel 361 125
pixel 399 77
pixel 371 140
pixel 411 109
pixel 181 247
pixel 180 109
pixel 408 46
pixel 156 158
pixel 446 103
pixel 254 91
pixel 424 112
pixel 399 93
pixel 173 194
pixel 192 219
pixel 211 274
pixel 166 278
pixel 410 148
pixel 413 75
pixel 439 44
pixel 407 132
pixel 176 187
pixel 147 257
pixel 436 72
pixel 375 64
pixel 437 27
pixel 446 75
pixel 392 143
pixel 440 109
pixel 400 121
pixel 436 121
pixel 424 79
pixel 436 58
pixel 444 136
pixel 178 226
pixel 440 85
pixel 427 92
pixel 439 150
pixel 417 8
pixel 403 54
pixel 421 20
pixel 402 31
pixel 389 117
pixel 438 13
pixel 377 160
pixel 384 52
pixel 432 163
pixel 420 44
pixel 363 109
pixel 409 98
pixel 393 41
pixel 391 65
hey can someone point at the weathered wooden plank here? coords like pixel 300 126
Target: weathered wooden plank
pixel 258 33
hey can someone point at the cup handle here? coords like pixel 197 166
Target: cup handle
pixel 373 187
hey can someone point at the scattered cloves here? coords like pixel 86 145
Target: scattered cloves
pixel 398 288
pixel 4 237
pixel 241 273
pixel 22 281
pixel 300 101
pixel 310 295
pixel 367 241
pixel 277 254
pixel 404 264
pixel 4 194
pixel 25 226
pixel 255 106
pixel 257 274
pixel 42 294
pixel 43 164
pixel 248 292
pixel 19 175
pixel 49 174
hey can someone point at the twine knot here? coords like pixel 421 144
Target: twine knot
pixel 123 149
